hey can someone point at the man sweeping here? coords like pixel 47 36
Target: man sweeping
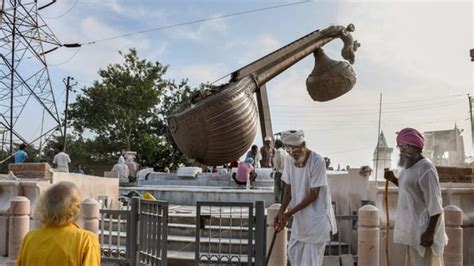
pixel 307 194
pixel 419 224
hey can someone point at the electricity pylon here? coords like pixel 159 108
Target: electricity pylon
pixel 27 100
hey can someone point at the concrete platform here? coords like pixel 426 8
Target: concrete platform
pixel 202 179
pixel 187 190
pixel 189 195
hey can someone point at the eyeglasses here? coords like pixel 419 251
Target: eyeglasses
pixel 292 148
pixel 404 146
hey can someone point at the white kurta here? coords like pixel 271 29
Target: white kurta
pixel 62 160
pixel 419 198
pixel 279 160
pixel 312 224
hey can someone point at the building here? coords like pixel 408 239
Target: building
pixel 445 147
pixel 382 157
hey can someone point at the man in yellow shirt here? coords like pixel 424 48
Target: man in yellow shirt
pixel 60 242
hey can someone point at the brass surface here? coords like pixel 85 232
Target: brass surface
pixel 221 124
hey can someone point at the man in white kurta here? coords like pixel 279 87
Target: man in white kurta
pixel 307 195
pixel 278 166
pixel 419 224
pixel 62 161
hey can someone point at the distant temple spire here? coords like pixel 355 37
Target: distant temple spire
pixel 382 157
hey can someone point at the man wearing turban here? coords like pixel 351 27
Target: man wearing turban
pixel 307 195
pixel 419 224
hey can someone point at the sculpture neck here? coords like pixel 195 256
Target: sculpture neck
pixel 271 65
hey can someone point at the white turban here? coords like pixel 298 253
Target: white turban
pixel 292 137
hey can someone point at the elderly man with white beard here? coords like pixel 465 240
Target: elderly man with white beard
pixel 307 194
pixel 419 224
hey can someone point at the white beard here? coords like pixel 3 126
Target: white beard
pixel 300 159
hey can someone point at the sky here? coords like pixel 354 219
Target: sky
pixel 413 53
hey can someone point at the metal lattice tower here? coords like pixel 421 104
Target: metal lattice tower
pixel 26 94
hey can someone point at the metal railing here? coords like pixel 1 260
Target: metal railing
pixel 351 224
pixel 153 232
pixel 230 233
pixel 115 243
pixel 118 234
pixel 135 236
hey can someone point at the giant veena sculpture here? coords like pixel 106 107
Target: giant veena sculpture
pixel 220 124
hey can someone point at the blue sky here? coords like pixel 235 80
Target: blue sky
pixel 416 53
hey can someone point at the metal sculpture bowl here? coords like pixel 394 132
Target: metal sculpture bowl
pixel 220 128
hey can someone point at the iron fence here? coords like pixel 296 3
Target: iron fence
pixel 135 236
pixel 153 245
pixel 115 244
pixel 350 222
pixel 230 233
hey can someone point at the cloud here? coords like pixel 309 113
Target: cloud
pixel 411 39
pixel 201 31
pixel 256 48
pixel 200 73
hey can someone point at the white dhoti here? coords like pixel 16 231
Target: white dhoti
pixel 305 254
pixel 413 258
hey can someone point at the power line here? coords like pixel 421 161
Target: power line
pixel 338 125
pixel 363 104
pixel 193 22
pixel 67 60
pixel 353 112
pixel 64 14
pixel 366 111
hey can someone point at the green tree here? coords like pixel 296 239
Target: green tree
pixel 127 109
pixel 77 149
pixel 125 98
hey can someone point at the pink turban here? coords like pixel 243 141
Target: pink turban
pixel 411 137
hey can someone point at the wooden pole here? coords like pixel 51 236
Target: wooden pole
pixel 387 211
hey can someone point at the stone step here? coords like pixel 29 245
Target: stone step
pixel 213 220
pixel 186 243
pixel 213 244
pixel 113 225
pixel 186 258
pixel 190 230
pixel 111 238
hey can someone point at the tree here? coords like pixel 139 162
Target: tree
pixel 80 150
pixel 127 109
pixel 125 98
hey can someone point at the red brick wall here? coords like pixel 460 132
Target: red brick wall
pixel 30 170
pixel 455 174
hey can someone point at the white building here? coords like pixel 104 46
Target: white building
pixel 382 158
pixel 445 147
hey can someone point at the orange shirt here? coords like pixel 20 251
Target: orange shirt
pixel 59 246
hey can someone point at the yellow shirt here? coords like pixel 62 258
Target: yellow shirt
pixel 59 246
